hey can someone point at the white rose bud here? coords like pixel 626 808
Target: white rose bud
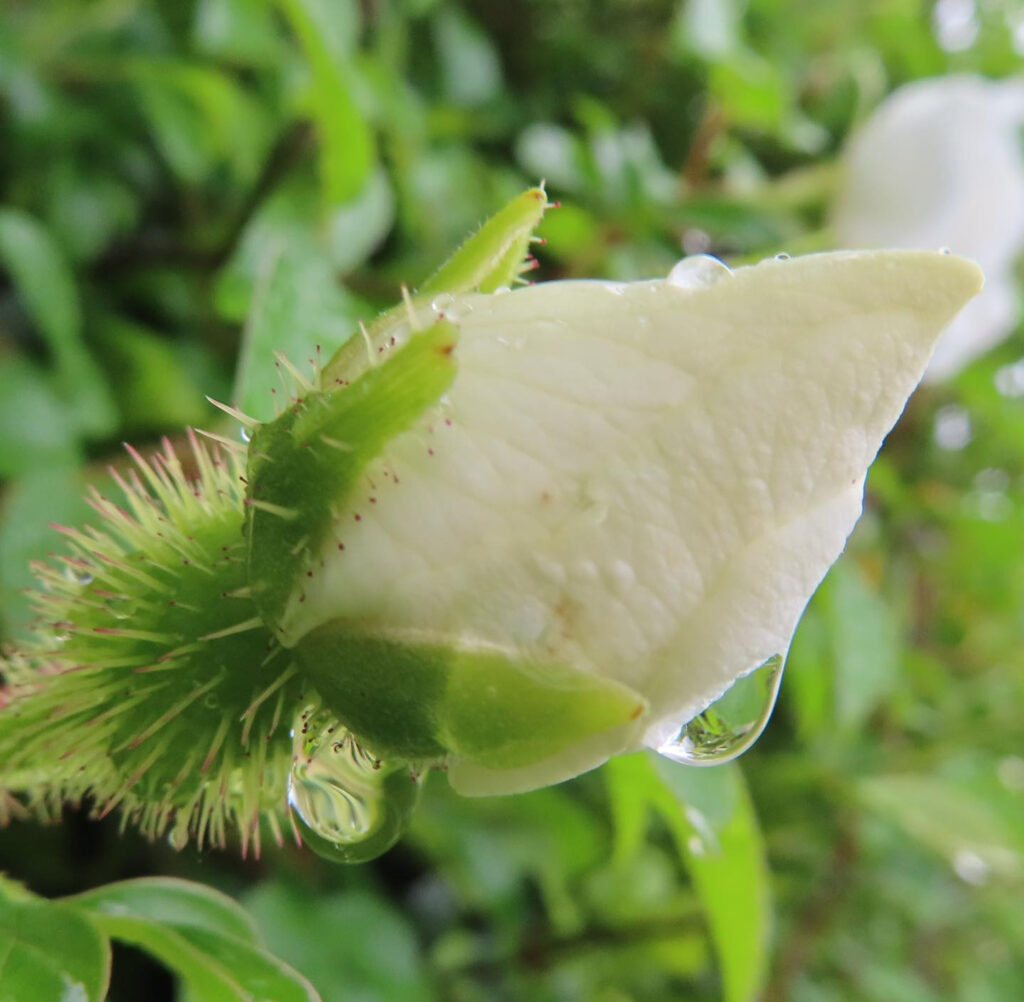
pixel 616 502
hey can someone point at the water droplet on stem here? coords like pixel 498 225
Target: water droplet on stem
pixel 349 806
pixel 731 724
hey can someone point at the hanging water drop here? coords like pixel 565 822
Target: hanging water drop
pixel 349 806
pixel 730 725
pixel 698 272
pixel 442 302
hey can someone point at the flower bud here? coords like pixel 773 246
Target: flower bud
pixel 532 530
pixel 508 534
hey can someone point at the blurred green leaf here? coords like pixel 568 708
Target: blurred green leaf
pixel 347 146
pixel 200 116
pixel 298 307
pixel 949 818
pixel 241 30
pixel 469 64
pixel 152 386
pixel 46 285
pixel 751 91
pixel 865 632
pixel 293 218
pixel 35 427
pixel 177 902
pixel 553 153
pixel 712 821
pixel 86 209
pixel 354 946
pixel 48 953
pixel 41 496
pixel 200 935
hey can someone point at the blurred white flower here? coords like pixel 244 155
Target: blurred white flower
pixel 941 164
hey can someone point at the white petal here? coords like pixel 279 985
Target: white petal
pixel 642 480
pixel 940 164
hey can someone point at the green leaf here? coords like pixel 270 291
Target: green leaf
pixel 237 30
pixel 347 148
pixel 172 901
pixel 48 953
pixel 352 946
pixel 865 634
pixel 319 245
pixel 470 68
pixel 46 285
pixel 961 824
pixel 200 116
pixel 712 820
pixel 201 935
pixel 297 306
pixel 40 497
pixel 153 388
pixel 35 428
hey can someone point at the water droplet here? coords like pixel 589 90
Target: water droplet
pixel 244 434
pixel 349 806
pixel 442 302
pixel 945 250
pixel 731 724
pixel 783 256
pixel 697 272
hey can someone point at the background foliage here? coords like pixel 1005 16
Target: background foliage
pixel 188 184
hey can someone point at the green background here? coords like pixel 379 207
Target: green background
pixel 186 185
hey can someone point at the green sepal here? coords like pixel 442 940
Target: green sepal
pixel 420 700
pixel 303 465
pixel 492 257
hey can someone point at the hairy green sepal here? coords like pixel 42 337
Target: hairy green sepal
pixel 493 257
pixel 422 700
pixel 303 466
